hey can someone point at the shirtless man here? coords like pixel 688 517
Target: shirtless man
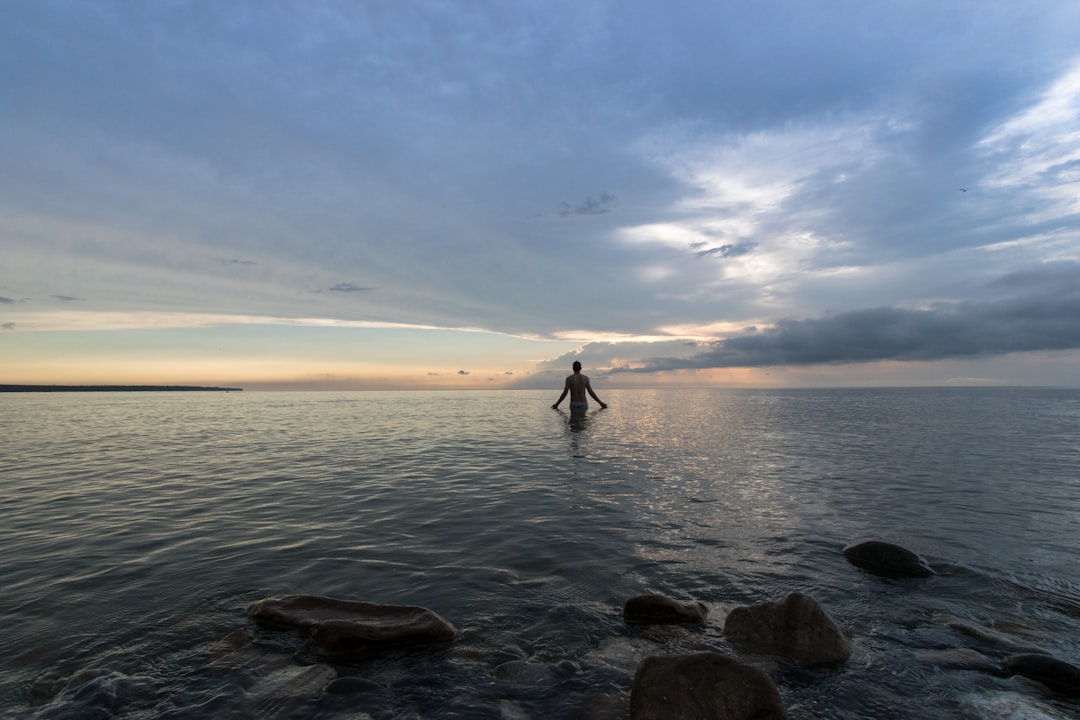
pixel 577 385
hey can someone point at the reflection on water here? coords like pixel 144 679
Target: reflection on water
pixel 138 527
pixel 577 427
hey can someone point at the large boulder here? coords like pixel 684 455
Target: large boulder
pixel 703 686
pixel 797 627
pixel 349 628
pixel 887 560
pixel 661 610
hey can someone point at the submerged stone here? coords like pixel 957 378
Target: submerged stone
pixel 352 685
pixel 1058 675
pixel 958 658
pixel 1001 641
pixel 90 694
pixel 887 560
pixel 524 673
pixel 347 628
pixel 661 610
pixel 276 694
pixel 797 627
pixel 703 686
pixel 1008 706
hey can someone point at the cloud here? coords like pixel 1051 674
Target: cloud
pixel 727 251
pixel 590 206
pixel 348 287
pixel 148 155
pixel 7 326
pixel 1044 321
pixel 65 298
pixel 462 372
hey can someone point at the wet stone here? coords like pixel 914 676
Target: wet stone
pixel 1058 675
pixel 887 560
pixel 346 629
pixel 703 686
pixel 352 685
pixel 661 610
pixel 522 674
pixel 796 627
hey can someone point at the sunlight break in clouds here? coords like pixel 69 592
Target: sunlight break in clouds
pixel 737 188
pixel 1038 149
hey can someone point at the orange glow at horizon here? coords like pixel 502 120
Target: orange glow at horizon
pixel 244 372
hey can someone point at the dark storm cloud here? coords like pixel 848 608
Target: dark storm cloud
pixel 1047 321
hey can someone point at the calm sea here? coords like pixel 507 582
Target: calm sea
pixel 137 527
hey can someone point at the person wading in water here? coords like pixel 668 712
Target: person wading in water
pixel 577 385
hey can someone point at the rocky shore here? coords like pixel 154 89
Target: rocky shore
pixel 678 676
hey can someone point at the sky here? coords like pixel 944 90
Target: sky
pixel 439 194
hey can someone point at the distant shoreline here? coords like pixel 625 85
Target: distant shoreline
pixel 113 388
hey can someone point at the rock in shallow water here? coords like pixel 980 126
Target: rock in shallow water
pixel 959 659
pixel 1058 675
pixel 887 560
pixel 661 610
pixel 524 673
pixel 797 627
pixel 352 685
pixel 703 686
pixel 995 639
pixel 348 628
pixel 90 695
pixel 1010 706
pixel 276 694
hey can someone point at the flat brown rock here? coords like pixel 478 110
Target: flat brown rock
pixel 349 627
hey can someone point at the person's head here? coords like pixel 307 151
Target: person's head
pixel 577 366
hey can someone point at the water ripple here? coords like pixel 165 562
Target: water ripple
pixel 138 527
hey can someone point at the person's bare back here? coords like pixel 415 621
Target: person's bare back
pixel 578 386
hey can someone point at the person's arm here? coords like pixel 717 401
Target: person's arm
pixel 588 386
pixel 566 389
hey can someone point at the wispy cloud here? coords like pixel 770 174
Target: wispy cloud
pixel 348 287
pixel 726 251
pixel 605 203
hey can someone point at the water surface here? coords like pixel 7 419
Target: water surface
pixel 138 527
